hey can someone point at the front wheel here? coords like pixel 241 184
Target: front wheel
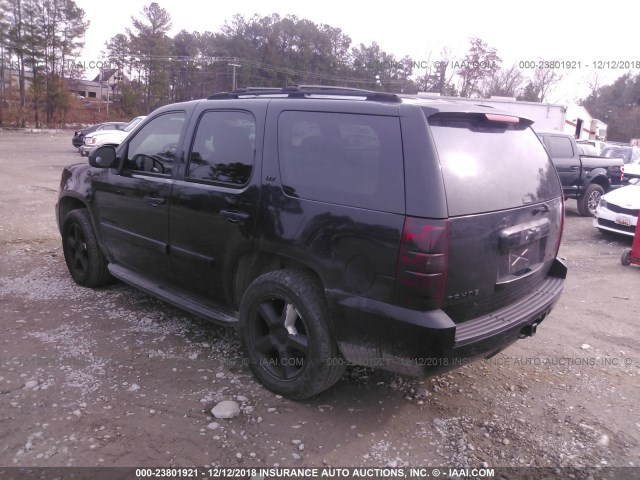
pixel 85 260
pixel 588 203
pixel 284 331
pixel 625 258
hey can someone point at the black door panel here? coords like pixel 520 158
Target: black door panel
pixel 134 228
pixel 133 204
pixel 213 207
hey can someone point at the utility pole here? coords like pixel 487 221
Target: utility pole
pixel 233 81
pixel 2 84
pixel 100 102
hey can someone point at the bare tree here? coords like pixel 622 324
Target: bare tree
pixel 545 79
pixel 594 85
pixel 479 63
pixel 13 27
pixel 438 77
pixel 506 82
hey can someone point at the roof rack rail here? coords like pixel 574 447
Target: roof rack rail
pixel 306 91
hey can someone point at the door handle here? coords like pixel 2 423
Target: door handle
pixel 234 216
pixel 541 209
pixel 575 169
pixel 154 200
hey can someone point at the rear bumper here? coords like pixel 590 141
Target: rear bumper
pixel 417 343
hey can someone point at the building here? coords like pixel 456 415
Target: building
pixel 9 80
pixel 105 85
pixel 106 88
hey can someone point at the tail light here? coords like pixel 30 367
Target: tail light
pixel 492 117
pixel 422 263
pixel 561 225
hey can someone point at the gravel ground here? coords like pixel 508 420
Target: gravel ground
pixel 115 377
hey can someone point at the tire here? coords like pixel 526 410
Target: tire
pixel 284 332
pixel 625 258
pixel 589 201
pixel 85 260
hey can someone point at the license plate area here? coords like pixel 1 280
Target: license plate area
pixel 522 248
pixel 521 260
pixel 623 220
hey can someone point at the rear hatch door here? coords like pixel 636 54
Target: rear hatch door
pixel 505 207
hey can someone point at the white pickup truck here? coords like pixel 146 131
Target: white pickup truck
pixel 108 137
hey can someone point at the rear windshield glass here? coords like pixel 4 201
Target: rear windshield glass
pixel 491 165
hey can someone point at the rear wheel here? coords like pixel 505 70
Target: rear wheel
pixel 85 260
pixel 285 334
pixel 588 203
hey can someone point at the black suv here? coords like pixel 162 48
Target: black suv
pixel 330 225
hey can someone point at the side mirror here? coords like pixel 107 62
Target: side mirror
pixel 103 157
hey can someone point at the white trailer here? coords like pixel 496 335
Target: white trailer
pixel 547 117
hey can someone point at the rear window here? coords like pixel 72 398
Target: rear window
pixel 559 146
pixel 491 165
pixel 340 158
pixel 587 150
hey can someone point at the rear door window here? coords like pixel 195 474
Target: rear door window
pixel 223 149
pixel 559 147
pixel 340 158
pixel 491 165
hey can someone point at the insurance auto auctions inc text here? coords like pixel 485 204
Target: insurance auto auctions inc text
pixel 329 472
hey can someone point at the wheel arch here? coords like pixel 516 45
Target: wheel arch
pixel 252 265
pixel 602 180
pixel 65 205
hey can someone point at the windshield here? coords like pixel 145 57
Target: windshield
pixel 130 126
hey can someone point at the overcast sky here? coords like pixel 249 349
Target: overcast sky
pixel 520 31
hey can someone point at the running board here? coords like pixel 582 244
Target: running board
pixel 221 316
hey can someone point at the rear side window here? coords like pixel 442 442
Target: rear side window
pixel 559 147
pixel 345 159
pixel 223 148
pixel 491 165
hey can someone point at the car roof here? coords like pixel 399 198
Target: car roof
pixel 322 95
